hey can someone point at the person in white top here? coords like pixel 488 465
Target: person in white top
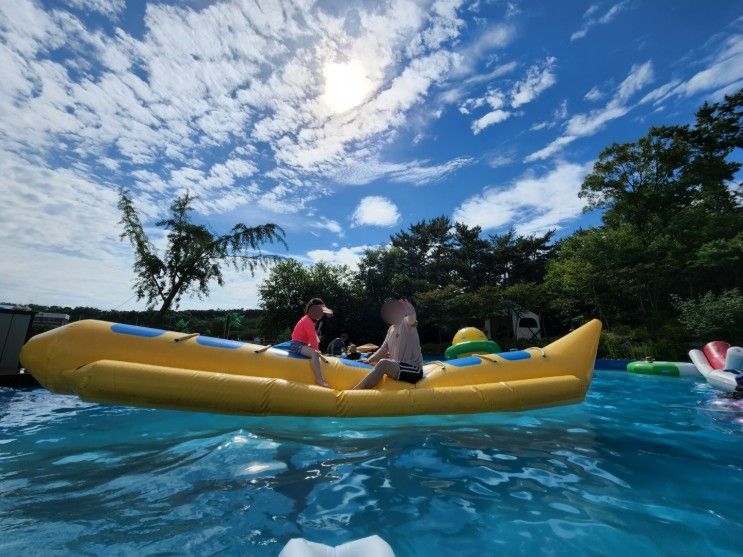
pixel 400 356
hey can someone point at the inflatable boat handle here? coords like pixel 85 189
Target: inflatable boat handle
pixel 541 351
pixel 186 337
pixel 263 349
pixel 438 362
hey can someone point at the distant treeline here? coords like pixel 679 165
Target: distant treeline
pixel 238 324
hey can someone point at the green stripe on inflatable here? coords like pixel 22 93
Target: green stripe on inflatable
pixel 472 347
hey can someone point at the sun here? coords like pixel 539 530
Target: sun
pixel 346 85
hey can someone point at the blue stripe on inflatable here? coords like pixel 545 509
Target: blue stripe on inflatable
pixel 344 361
pixel 219 343
pixel 515 355
pixel 136 331
pixel 355 363
pixel 464 362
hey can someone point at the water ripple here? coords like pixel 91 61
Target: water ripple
pixel 646 466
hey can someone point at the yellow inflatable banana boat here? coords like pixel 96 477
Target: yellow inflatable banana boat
pixel 125 364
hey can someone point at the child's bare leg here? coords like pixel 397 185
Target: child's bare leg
pixel 314 357
pixel 383 367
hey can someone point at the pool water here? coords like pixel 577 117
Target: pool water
pixel 646 466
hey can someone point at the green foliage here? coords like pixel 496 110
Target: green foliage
pixel 206 322
pixel 672 224
pixel 290 285
pixel 711 316
pixel 454 275
pixel 194 256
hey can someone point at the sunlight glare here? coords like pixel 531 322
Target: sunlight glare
pixel 346 85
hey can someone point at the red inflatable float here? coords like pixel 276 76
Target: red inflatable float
pixel 716 351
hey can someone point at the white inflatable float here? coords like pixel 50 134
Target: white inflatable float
pixel 373 546
pixel 721 365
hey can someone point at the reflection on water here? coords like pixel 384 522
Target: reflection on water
pixel 647 465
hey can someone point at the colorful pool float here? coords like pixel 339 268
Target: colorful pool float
pixel 669 369
pixel 721 365
pixel 124 364
pixel 470 341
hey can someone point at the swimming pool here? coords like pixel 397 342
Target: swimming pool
pixel 647 465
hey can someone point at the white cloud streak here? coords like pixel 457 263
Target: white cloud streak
pixel 537 79
pixel 586 124
pixel 589 21
pixel 106 7
pixel 595 94
pixel 723 73
pixel 531 205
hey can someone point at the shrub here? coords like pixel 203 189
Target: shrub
pixel 713 316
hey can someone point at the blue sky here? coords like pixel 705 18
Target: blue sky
pixel 342 121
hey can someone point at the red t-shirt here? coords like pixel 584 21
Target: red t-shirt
pixel 304 332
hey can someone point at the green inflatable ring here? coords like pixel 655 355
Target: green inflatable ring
pixel 472 347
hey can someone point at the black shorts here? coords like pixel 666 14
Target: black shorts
pixel 409 373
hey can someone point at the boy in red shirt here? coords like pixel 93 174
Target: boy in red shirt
pixel 305 341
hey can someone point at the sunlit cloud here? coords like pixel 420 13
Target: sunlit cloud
pixel 375 210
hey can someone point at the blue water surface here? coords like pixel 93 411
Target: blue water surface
pixel 646 466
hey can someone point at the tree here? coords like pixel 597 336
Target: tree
pixel 427 248
pixel 711 317
pixel 673 169
pixel 290 285
pixel 233 320
pixel 194 256
pixel 671 223
pixel 470 256
pixel 516 258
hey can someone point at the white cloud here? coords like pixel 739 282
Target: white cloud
pixel 531 204
pixel 545 124
pixel 105 7
pixel 638 78
pixel 375 210
pixel 500 159
pixel 178 98
pixel 492 117
pixel 560 113
pixel 595 94
pixel 589 21
pixel 724 69
pixel 349 256
pixel 539 78
pixel 493 98
pixel 424 173
pixel 330 225
pixel 551 149
pixel 366 170
pixel 586 124
pixel 456 93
